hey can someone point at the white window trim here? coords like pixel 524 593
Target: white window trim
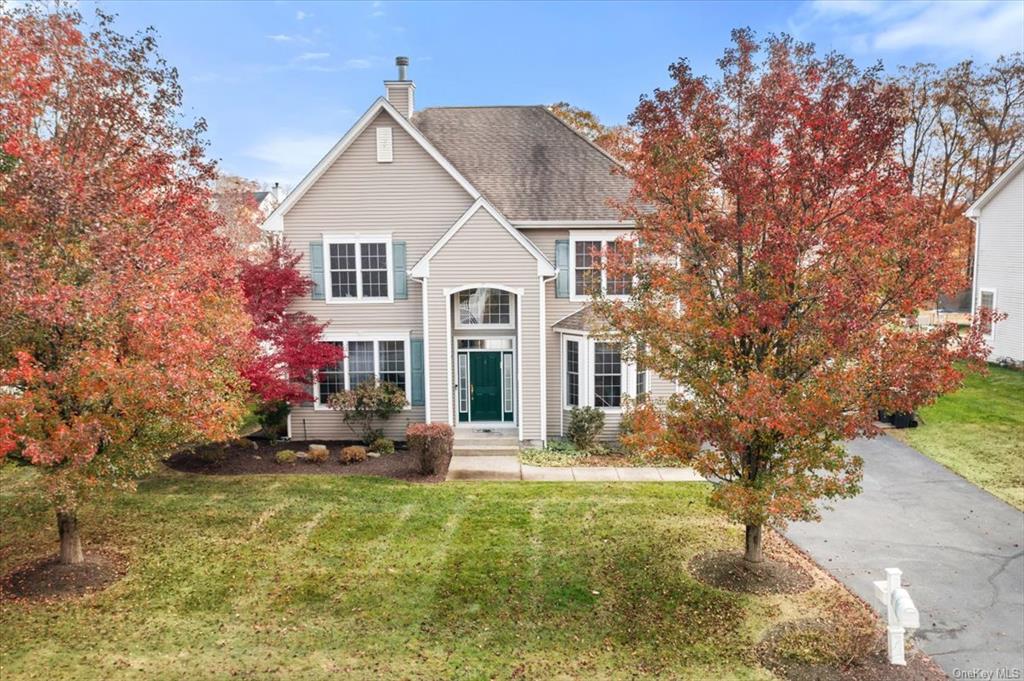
pixel 605 237
pixel 586 362
pixel 357 239
pixel 992 327
pixel 376 338
pixel 514 352
pixel 513 299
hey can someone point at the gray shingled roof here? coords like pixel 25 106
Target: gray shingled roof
pixel 584 319
pixel 528 163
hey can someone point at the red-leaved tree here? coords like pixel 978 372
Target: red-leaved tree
pixel 122 325
pixel 779 255
pixel 289 347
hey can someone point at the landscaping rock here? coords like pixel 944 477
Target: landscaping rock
pixel 317 450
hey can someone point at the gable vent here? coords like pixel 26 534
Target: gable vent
pixel 384 145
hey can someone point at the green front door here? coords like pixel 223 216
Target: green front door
pixel 485 386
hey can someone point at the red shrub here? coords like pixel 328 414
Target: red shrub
pixel 430 442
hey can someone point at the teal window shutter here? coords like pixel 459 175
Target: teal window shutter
pixel 416 393
pixel 316 269
pixel 401 281
pixel 562 263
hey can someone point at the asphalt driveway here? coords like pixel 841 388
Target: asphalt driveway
pixel 961 551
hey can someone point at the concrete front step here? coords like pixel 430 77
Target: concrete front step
pixel 464 467
pixel 474 441
pixel 462 449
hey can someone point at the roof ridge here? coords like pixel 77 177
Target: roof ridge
pixel 485 106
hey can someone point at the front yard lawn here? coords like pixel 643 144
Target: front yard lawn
pixel 978 432
pixel 313 576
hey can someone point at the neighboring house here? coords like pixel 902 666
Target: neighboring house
pixel 999 262
pixel 451 252
pixel 267 201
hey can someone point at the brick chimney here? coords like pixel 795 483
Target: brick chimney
pixel 400 92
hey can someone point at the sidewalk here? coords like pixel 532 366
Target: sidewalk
pixel 509 468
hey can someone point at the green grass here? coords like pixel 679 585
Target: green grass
pixel 978 432
pixel 328 577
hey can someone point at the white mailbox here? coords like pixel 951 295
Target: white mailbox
pixel 901 613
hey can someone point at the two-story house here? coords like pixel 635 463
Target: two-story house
pixel 998 278
pixel 453 253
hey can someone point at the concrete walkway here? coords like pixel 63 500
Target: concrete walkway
pixel 959 547
pixel 509 468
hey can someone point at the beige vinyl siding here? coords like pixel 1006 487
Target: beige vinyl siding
pixel 482 253
pixel 556 309
pixel 414 200
pixel 1001 266
pixel 326 424
pixel 399 96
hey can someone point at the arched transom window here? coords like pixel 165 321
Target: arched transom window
pixel 488 307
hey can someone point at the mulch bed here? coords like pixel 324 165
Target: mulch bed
pixel 48 579
pixel 249 457
pixel 727 570
pixel 870 665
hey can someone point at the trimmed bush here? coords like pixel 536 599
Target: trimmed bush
pixel 382 445
pixel 210 454
pixel 352 454
pixel 430 443
pixel 316 454
pixel 272 417
pixel 585 425
pixel 286 456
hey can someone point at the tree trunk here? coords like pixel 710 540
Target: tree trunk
pixel 70 540
pixel 753 548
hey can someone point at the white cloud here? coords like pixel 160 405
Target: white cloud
pixel 358 64
pixel 300 15
pixel 983 28
pixel 287 156
pixel 312 56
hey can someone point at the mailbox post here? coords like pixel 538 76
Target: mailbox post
pixel 900 613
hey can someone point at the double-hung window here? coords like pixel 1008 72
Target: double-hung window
pixel 572 372
pixel 385 360
pixel 607 375
pixel 358 268
pixel 986 301
pixel 590 276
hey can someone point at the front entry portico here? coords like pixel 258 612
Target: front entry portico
pixel 486 380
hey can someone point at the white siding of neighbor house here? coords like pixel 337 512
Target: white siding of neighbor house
pixel 411 198
pixel 1000 266
pixel 483 252
pixel 556 309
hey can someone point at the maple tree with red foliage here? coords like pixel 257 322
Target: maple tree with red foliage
pixel 122 323
pixel 779 258
pixel 290 350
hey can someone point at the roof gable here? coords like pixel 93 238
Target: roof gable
pixel 997 186
pixel 275 221
pixel 422 267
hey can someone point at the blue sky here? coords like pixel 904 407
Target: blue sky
pixel 280 82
